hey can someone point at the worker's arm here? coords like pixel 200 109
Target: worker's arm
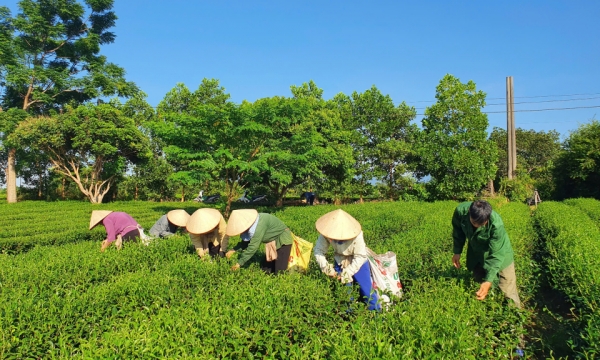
pixel 358 258
pixel 321 248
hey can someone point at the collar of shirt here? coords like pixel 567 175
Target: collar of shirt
pixel 248 234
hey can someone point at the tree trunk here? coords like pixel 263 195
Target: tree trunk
pixel 135 197
pixel 40 187
pixel 280 197
pixel 11 177
pixel 491 187
pixel 62 195
pixel 182 193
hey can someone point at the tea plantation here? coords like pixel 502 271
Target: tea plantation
pixel 61 298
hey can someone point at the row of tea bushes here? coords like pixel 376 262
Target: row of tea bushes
pixel 572 242
pixel 32 223
pixel 160 301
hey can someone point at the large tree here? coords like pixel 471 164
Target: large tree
pixel 208 138
pixel 308 140
pixel 56 48
pixel 454 147
pixel 92 145
pixel 387 135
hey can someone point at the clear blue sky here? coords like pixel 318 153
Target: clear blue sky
pixel 259 48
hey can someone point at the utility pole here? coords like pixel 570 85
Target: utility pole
pixel 510 128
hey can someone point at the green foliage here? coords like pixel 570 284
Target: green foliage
pixel 590 206
pixel 70 301
pixel 570 239
pixel 382 140
pixel 454 148
pixel 517 189
pixel 56 48
pixel 90 144
pixel 537 152
pixel 206 137
pixel 578 167
pixel 308 144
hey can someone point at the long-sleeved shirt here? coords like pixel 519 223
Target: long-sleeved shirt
pixel 269 228
pixel 163 228
pixel 216 237
pixel 488 245
pixel 350 254
pixel 118 223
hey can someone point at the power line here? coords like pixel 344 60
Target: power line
pixel 534 102
pixel 516 97
pixel 537 110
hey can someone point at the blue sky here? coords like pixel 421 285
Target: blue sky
pixel 259 48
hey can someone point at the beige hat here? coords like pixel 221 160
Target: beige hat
pixel 97 216
pixel 240 221
pixel 203 220
pixel 338 225
pixel 178 217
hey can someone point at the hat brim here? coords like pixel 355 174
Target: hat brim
pixel 240 221
pixel 338 225
pixel 203 221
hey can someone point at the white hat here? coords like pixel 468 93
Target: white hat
pixel 203 220
pixel 178 217
pixel 97 216
pixel 240 221
pixel 338 225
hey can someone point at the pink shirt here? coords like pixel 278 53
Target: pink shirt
pixel 118 223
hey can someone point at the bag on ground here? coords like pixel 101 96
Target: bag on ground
pixel 384 273
pixel 299 255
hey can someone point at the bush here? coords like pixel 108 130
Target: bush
pixel 570 238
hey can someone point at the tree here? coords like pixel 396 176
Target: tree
pixel 91 145
pixel 308 138
pixel 57 60
pixel 537 152
pixel 208 138
pixel 454 148
pixel 387 135
pixel 577 170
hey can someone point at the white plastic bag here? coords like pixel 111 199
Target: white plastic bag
pixel 144 238
pixel 384 273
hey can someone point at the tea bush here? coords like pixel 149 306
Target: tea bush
pixel 160 301
pixel 589 206
pixel 572 242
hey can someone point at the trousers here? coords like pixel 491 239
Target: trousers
pixel 365 287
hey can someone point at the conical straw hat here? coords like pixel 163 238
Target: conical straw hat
pixel 178 217
pixel 97 216
pixel 203 221
pixel 338 225
pixel 240 221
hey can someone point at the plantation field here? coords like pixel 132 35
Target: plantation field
pixel 61 298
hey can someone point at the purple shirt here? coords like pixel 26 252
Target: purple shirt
pixel 118 223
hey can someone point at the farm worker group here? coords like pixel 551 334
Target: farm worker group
pixel 489 252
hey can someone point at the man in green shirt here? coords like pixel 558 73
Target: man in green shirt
pixel 489 253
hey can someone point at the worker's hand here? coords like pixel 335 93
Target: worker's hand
pixel 483 290
pixel 229 253
pixel 456 260
pixel 235 267
pixel 105 245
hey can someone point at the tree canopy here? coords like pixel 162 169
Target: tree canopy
pixel 89 144
pixel 454 147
